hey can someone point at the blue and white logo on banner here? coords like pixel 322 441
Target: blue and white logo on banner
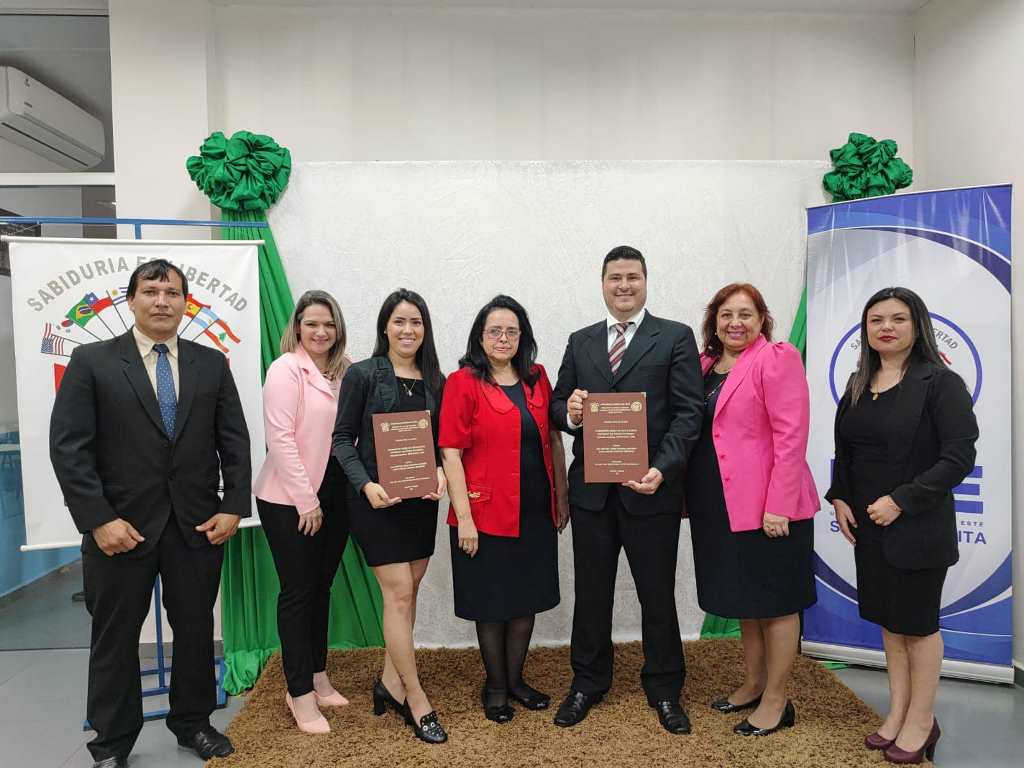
pixel 953 248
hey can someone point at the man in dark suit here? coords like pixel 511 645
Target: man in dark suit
pixel 629 351
pixel 142 429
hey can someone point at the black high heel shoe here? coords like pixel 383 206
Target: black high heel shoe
pixel 500 713
pixel 382 699
pixel 429 729
pixel 788 720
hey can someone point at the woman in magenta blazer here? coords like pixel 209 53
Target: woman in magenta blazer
pixel 506 480
pixel 751 499
pixel 301 499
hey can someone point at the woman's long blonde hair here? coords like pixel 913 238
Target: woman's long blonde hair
pixel 336 360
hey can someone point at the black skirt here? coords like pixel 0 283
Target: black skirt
pixel 406 531
pixel 744 575
pixel 511 577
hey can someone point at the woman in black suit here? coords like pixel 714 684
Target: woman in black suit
pixel 396 537
pixel 905 433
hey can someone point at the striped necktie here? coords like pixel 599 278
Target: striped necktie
pixel 618 349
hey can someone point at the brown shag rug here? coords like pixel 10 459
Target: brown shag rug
pixel 621 731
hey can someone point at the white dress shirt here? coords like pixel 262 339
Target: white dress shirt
pixel 632 324
pixel 149 357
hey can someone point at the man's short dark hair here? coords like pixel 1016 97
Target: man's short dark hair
pixel 157 269
pixel 623 252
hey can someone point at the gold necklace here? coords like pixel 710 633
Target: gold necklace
pixel 876 393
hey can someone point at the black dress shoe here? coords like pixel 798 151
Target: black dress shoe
pixel 530 698
pixel 575 708
pixel 498 713
pixel 111 762
pixel 429 729
pixel 208 743
pixel 672 716
pixel 788 720
pixel 724 705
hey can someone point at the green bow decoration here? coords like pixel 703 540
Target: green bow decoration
pixel 864 167
pixel 247 172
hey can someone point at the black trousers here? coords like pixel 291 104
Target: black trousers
pixel 305 567
pixel 651 544
pixel 118 593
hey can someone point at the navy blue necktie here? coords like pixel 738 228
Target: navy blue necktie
pixel 165 388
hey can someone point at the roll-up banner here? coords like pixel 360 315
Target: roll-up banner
pixel 952 247
pixel 66 293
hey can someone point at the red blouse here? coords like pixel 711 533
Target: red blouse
pixel 479 418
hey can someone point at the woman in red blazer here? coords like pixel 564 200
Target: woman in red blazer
pixel 506 479
pixel 751 500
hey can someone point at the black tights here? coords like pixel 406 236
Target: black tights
pixel 503 647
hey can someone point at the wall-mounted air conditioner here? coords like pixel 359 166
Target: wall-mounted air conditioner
pixel 40 119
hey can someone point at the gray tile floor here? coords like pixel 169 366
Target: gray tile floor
pixel 982 724
pixel 42 706
pixel 42 615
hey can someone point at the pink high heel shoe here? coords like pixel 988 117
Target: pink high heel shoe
pixel 333 700
pixel 318 726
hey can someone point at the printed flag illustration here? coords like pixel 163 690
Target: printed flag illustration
pixel 213 327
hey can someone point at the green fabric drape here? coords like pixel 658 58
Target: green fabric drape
pixel 863 167
pixel 716 626
pixel 244 175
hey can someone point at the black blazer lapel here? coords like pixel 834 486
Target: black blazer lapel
pixel 188 377
pixel 385 385
pixel 137 377
pixel 597 349
pixel 906 416
pixel 643 341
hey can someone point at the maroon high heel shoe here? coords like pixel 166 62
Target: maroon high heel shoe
pixel 896 755
pixel 877 741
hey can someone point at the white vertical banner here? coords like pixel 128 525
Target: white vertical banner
pixel 952 247
pixel 66 293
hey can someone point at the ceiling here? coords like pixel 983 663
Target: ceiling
pixel 755 6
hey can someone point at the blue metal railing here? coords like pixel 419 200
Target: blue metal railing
pixel 138 224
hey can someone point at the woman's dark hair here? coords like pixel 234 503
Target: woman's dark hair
pixel 426 355
pixel 713 346
pixel 924 348
pixel 525 357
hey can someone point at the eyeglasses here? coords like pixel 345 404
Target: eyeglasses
pixel 496 333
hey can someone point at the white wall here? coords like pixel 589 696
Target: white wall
pixel 158 75
pixel 490 83
pixel 442 83
pixel 968 114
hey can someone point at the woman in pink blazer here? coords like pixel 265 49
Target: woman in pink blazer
pixel 751 499
pixel 300 494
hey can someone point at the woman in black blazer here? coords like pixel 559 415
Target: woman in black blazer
pixel 396 537
pixel 905 433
